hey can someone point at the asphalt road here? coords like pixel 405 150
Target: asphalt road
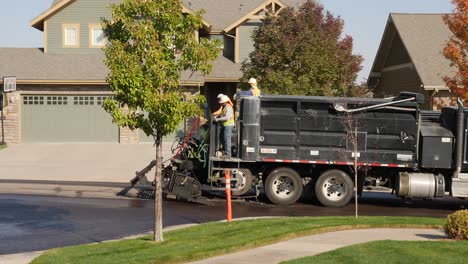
pixel 30 223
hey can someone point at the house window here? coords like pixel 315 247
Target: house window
pixel 96 36
pixel 71 35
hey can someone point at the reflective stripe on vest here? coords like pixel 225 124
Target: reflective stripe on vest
pixel 230 121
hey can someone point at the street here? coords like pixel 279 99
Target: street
pixel 30 223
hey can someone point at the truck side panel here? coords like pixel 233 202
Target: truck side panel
pixel 297 128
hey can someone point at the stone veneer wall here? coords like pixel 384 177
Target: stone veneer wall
pixel 128 136
pixel 12 117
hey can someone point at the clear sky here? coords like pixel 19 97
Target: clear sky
pixel 364 20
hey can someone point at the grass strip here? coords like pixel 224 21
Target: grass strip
pixel 388 251
pixel 2 146
pixel 214 239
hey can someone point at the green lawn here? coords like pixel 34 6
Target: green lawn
pixel 2 147
pixel 213 239
pixel 411 252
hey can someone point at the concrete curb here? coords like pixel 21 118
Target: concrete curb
pixel 75 190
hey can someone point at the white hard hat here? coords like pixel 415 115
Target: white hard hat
pixel 223 99
pixel 219 96
pixel 252 81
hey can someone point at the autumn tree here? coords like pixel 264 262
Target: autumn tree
pixel 303 52
pixel 456 49
pixel 150 42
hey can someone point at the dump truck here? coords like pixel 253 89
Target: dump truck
pixel 286 143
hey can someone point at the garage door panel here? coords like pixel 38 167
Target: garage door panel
pixel 169 138
pixel 67 119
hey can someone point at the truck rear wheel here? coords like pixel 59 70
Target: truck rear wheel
pixel 283 186
pixel 334 188
pixel 241 181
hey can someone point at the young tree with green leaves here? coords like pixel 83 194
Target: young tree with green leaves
pixel 302 52
pixel 150 42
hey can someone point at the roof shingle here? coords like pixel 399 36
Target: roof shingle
pixel 33 64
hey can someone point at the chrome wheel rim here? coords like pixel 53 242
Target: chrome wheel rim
pixel 334 189
pixel 238 179
pixel 283 187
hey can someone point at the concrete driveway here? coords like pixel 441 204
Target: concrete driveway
pixel 87 162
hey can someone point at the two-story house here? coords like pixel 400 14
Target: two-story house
pixel 410 58
pixel 61 87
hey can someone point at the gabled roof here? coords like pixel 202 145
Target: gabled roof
pixel 223 15
pixel 424 36
pixel 262 7
pixel 57 5
pixel 38 22
pixel 32 66
pixel 219 14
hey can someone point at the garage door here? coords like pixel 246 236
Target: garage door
pixel 52 118
pixel 169 138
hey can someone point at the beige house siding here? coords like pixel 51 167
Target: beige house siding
pixel 397 54
pixel 246 43
pixel 82 12
pixel 392 82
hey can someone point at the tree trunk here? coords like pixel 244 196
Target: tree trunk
pixel 158 233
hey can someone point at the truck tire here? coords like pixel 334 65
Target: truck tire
pixel 241 180
pixel 283 186
pixel 334 188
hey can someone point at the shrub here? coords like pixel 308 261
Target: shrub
pixel 456 226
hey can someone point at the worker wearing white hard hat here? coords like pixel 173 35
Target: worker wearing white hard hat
pixel 218 112
pixel 253 91
pixel 226 120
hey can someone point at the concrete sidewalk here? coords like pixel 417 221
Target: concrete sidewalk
pixel 99 170
pixel 292 249
pixel 86 162
pixel 316 244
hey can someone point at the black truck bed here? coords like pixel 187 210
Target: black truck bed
pixel 309 130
